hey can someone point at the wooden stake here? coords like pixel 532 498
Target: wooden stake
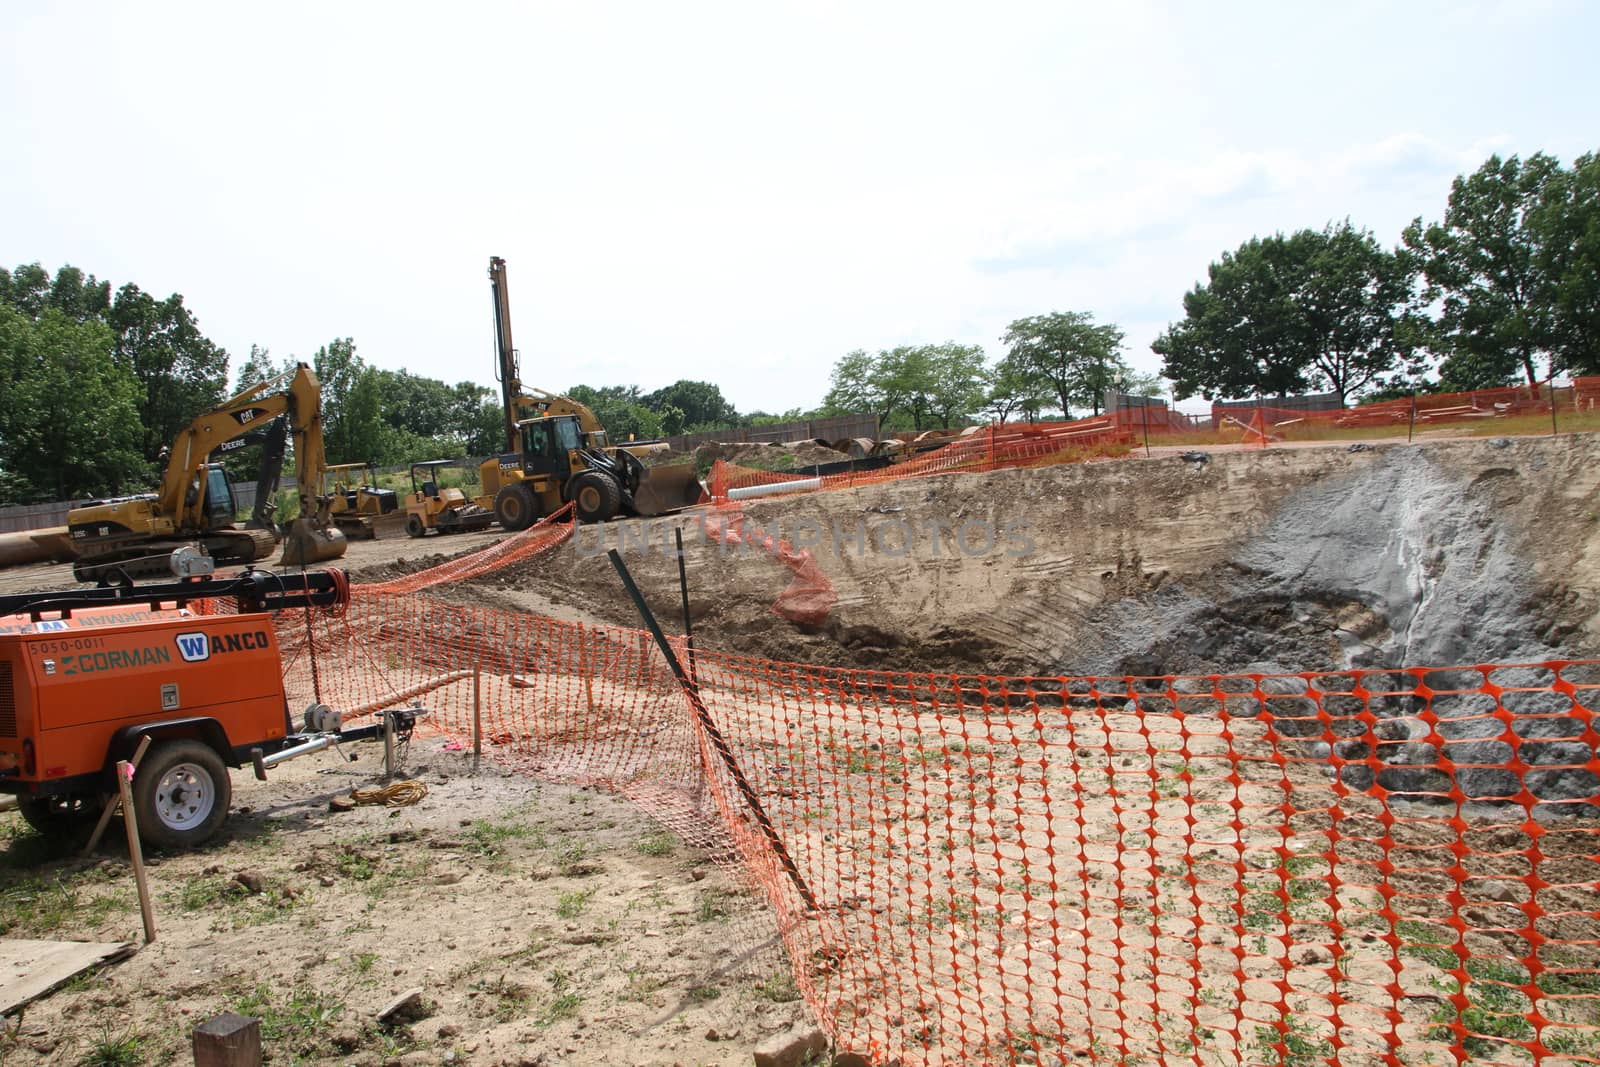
pixel 477 714
pixel 114 800
pixel 228 1040
pixel 130 822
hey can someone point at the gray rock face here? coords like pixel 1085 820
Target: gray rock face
pixel 1401 563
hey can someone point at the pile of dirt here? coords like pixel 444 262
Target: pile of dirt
pixel 768 455
pixel 1293 559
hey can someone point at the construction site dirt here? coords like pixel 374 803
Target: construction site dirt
pixel 550 924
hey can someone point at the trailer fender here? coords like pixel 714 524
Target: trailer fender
pixel 207 731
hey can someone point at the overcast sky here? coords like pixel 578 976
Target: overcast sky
pixel 744 192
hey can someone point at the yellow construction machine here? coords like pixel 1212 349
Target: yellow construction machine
pixel 195 504
pixel 354 499
pixel 556 451
pixel 429 507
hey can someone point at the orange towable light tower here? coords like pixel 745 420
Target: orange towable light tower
pixel 85 675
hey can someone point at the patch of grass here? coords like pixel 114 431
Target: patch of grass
pixel 1303 1044
pixel 702 994
pixel 570 856
pixel 364 961
pixel 204 892
pixel 122 1050
pixel 711 906
pixel 488 839
pixel 658 843
pixel 779 987
pixel 42 905
pixel 510 998
pixel 641 986
pixel 300 1023
pixel 564 1001
pixel 355 866
pixel 571 905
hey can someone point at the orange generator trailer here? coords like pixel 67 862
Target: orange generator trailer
pixel 87 674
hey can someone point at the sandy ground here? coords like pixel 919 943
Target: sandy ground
pixel 545 925
pixel 540 923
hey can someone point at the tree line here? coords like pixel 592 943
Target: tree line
pixel 1504 288
pixel 96 384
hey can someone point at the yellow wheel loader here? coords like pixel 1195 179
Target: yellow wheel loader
pixel 447 510
pixel 557 452
pixel 195 504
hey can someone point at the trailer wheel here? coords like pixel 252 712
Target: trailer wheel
pixel 181 794
pixel 63 815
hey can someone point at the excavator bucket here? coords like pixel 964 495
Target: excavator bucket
pixel 307 543
pixel 667 488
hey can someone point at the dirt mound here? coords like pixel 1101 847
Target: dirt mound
pixel 1297 559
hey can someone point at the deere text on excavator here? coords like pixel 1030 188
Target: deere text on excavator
pixel 557 452
pixel 195 503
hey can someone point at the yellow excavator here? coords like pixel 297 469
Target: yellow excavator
pixel 195 504
pixel 556 451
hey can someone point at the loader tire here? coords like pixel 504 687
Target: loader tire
pixel 516 507
pixel 181 794
pixel 596 496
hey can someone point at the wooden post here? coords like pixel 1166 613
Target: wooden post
pixel 228 1040
pixel 130 822
pixel 583 669
pixel 477 714
pixel 113 801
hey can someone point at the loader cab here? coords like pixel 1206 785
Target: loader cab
pixel 548 445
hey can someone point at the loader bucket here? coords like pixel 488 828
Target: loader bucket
pixel 307 543
pixel 667 488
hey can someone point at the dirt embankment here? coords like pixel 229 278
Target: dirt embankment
pixel 1281 559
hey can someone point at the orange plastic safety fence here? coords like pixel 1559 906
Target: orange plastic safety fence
pixel 809 596
pixel 540 537
pixel 982 449
pixel 1371 867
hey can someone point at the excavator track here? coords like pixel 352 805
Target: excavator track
pixel 148 559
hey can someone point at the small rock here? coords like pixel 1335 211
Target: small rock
pixel 850 1059
pixel 215 868
pixel 698 874
pixel 408 1005
pixel 345 1039
pixel 791 1048
pixel 325 880
pixel 448 878
pixel 341 804
pixel 253 881
pixel 712 1035
pixel 44 1046
pixel 449 1030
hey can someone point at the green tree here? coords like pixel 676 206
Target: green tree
pixel 1015 390
pixel 1568 222
pixel 700 406
pixel 352 429
pixel 71 424
pixel 620 411
pixel 181 373
pixel 1067 350
pixel 1486 266
pixel 30 289
pixel 859 384
pixel 1317 310
pixel 260 367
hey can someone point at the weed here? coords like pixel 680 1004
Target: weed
pixel 700 994
pixel 41 905
pixel 571 905
pixel 300 1023
pixel 364 961
pixel 641 986
pixel 202 893
pixel 489 839
pixel 659 843
pixel 1496 1009
pixel 1303 1044
pixel 711 905
pixel 779 987
pixel 570 856
pixel 510 997
pixel 123 1050
pixel 355 865
pixel 563 1001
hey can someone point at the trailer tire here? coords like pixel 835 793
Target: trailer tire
pixel 62 815
pixel 181 794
